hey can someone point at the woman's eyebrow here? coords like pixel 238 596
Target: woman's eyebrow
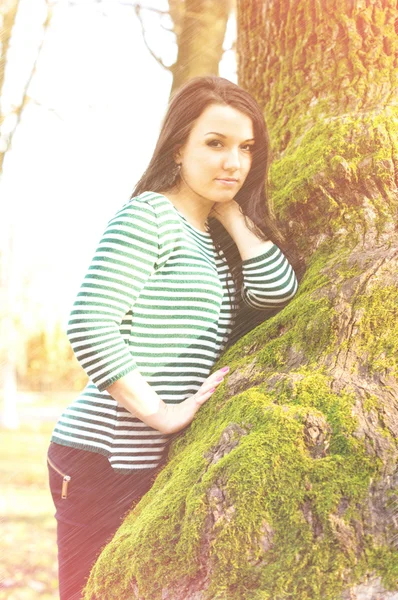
pixel 224 136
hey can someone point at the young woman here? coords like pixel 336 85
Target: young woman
pixel 156 309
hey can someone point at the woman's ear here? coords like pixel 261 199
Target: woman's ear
pixel 178 155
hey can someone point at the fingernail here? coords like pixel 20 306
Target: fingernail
pixel 224 369
pixel 212 389
pixel 219 379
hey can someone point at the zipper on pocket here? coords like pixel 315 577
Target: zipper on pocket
pixel 65 479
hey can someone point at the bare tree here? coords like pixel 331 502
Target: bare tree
pixel 6 139
pixel 199 27
pixel 8 12
pixel 8 277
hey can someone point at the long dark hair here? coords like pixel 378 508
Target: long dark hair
pixel 185 107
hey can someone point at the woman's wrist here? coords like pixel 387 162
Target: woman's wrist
pixel 135 394
pixel 241 229
pixel 226 213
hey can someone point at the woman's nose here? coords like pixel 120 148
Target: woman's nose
pixel 232 160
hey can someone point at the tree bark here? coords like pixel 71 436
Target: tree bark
pixel 285 486
pixel 200 36
pixel 8 12
pixel 199 27
pixel 8 324
pixel 18 111
pixel 8 377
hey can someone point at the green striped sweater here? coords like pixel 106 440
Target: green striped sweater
pixel 155 298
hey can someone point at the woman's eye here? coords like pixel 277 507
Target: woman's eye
pixel 215 143
pixel 218 144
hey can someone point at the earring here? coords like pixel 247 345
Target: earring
pixel 175 173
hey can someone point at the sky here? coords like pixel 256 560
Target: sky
pixel 97 99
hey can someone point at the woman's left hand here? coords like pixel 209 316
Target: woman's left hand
pixel 223 211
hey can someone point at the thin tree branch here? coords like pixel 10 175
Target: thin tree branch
pixel 48 108
pixel 128 4
pixel 231 48
pixel 137 9
pixel 25 97
pixel 168 29
pixel 150 8
pixel 8 20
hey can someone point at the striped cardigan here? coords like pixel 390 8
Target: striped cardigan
pixel 155 298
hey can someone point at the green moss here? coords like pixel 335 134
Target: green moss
pixel 333 174
pixel 313 391
pixel 305 325
pixel 371 402
pixel 309 182
pixel 268 477
pixel 346 269
pixel 381 561
pixel 377 336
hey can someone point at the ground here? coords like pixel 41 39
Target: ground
pixel 28 569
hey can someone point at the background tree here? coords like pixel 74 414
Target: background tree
pixel 199 27
pixel 50 363
pixel 286 483
pixel 10 322
pixel 8 12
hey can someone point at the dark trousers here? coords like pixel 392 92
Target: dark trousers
pixel 97 500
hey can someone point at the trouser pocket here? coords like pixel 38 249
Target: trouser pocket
pixel 65 478
pixel 67 487
pixel 95 493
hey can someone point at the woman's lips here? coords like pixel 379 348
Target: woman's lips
pixel 229 182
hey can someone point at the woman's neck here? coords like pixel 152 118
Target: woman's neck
pixel 193 207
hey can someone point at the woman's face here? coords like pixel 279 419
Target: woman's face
pixel 216 158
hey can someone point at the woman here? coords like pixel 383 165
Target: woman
pixel 157 308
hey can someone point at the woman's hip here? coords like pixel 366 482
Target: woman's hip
pixel 86 490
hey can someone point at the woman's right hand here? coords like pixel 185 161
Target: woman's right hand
pixel 181 415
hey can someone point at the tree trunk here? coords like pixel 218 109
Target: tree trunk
pixel 200 36
pixel 9 418
pixel 8 12
pixel 199 27
pixel 8 333
pixel 285 486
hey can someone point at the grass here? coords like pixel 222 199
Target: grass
pixel 28 567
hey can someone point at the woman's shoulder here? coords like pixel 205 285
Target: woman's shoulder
pixel 147 205
pixel 159 204
pixel 155 199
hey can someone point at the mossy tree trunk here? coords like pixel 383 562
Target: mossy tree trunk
pixel 286 483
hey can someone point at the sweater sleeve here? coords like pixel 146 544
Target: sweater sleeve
pixel 124 260
pixel 268 280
